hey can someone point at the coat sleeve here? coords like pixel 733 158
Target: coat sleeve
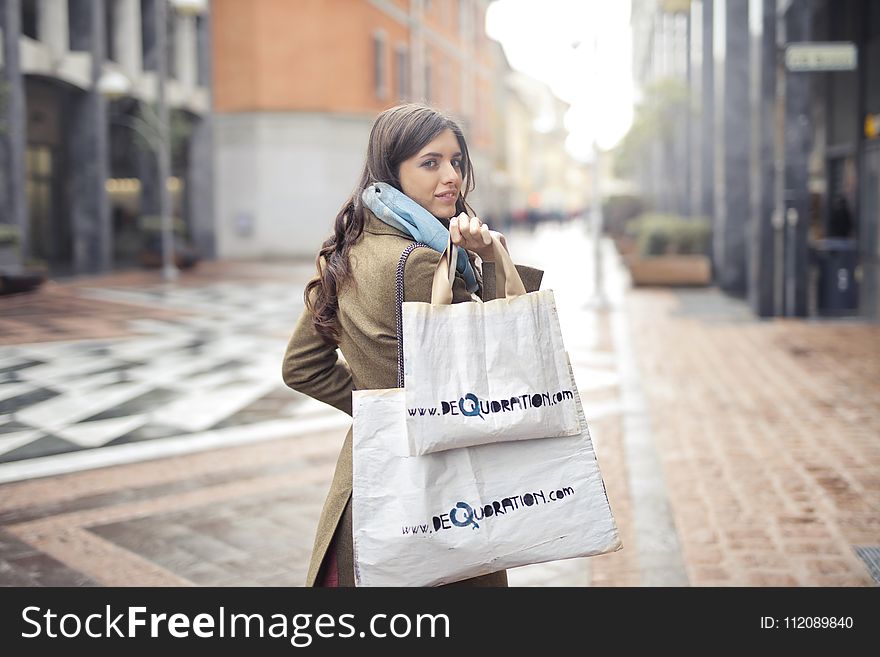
pixel 531 279
pixel 419 277
pixel 312 367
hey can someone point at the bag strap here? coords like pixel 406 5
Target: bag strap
pixel 400 266
pixel 507 279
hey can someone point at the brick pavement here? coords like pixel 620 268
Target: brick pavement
pixel 770 438
pixel 243 516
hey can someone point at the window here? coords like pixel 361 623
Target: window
pixel 110 9
pixel 402 73
pixel 379 77
pixel 148 34
pixel 29 23
pixel 171 41
pixel 202 64
pixel 78 24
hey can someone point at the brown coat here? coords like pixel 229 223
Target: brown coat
pixel 368 342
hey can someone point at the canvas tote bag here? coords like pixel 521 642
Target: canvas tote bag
pixel 446 516
pixel 478 373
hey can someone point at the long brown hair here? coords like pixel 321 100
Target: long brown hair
pixel 397 135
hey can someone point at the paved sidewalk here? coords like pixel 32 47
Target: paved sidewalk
pixel 734 451
pixel 770 440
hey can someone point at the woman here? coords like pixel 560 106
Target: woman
pixel 413 187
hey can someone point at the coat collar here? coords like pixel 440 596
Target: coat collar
pixel 375 226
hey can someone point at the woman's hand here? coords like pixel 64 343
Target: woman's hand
pixel 474 235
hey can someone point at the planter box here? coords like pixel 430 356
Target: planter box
pixel 20 282
pixel 669 270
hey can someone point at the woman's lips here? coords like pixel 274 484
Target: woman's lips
pixel 448 197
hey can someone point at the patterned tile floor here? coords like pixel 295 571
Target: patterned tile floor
pixel 215 367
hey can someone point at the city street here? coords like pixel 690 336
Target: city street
pixel 146 437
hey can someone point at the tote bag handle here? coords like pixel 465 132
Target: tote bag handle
pixel 507 278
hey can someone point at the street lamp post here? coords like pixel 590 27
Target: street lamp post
pixel 599 299
pixel 163 155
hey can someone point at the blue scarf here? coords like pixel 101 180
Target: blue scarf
pixel 399 211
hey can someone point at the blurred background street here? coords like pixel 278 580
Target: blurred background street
pixel 699 180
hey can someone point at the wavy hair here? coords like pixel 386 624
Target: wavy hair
pixel 397 135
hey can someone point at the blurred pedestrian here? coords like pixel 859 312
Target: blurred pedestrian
pixel 841 221
pixel 415 179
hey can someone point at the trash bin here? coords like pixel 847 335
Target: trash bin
pixel 836 260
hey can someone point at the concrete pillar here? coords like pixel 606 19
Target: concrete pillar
pixel 868 177
pixel 90 213
pixel 128 43
pixel 13 136
pixel 732 142
pixel 763 160
pixel 185 52
pixel 200 176
pixel 147 165
pixel 200 188
pixel 695 129
pixel 707 114
pixel 684 198
pixel 798 122
pixel 53 27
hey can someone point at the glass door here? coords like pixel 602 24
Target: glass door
pixel 39 163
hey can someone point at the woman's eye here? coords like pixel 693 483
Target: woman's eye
pixel 456 164
pixel 429 163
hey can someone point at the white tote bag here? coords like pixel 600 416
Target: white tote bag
pixel 478 373
pixel 447 516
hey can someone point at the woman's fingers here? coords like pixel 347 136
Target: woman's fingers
pixel 454 230
pixel 470 232
pixel 475 227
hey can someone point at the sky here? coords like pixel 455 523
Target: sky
pixel 582 50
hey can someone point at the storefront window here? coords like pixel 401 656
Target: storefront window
pixel 29 22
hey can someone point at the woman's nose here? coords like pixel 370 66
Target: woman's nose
pixel 449 172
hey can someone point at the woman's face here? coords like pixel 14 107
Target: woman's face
pixel 433 176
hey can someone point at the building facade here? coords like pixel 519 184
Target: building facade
pixel 79 182
pixel 297 87
pixel 781 146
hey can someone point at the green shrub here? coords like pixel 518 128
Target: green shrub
pixel 9 234
pixel 666 234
